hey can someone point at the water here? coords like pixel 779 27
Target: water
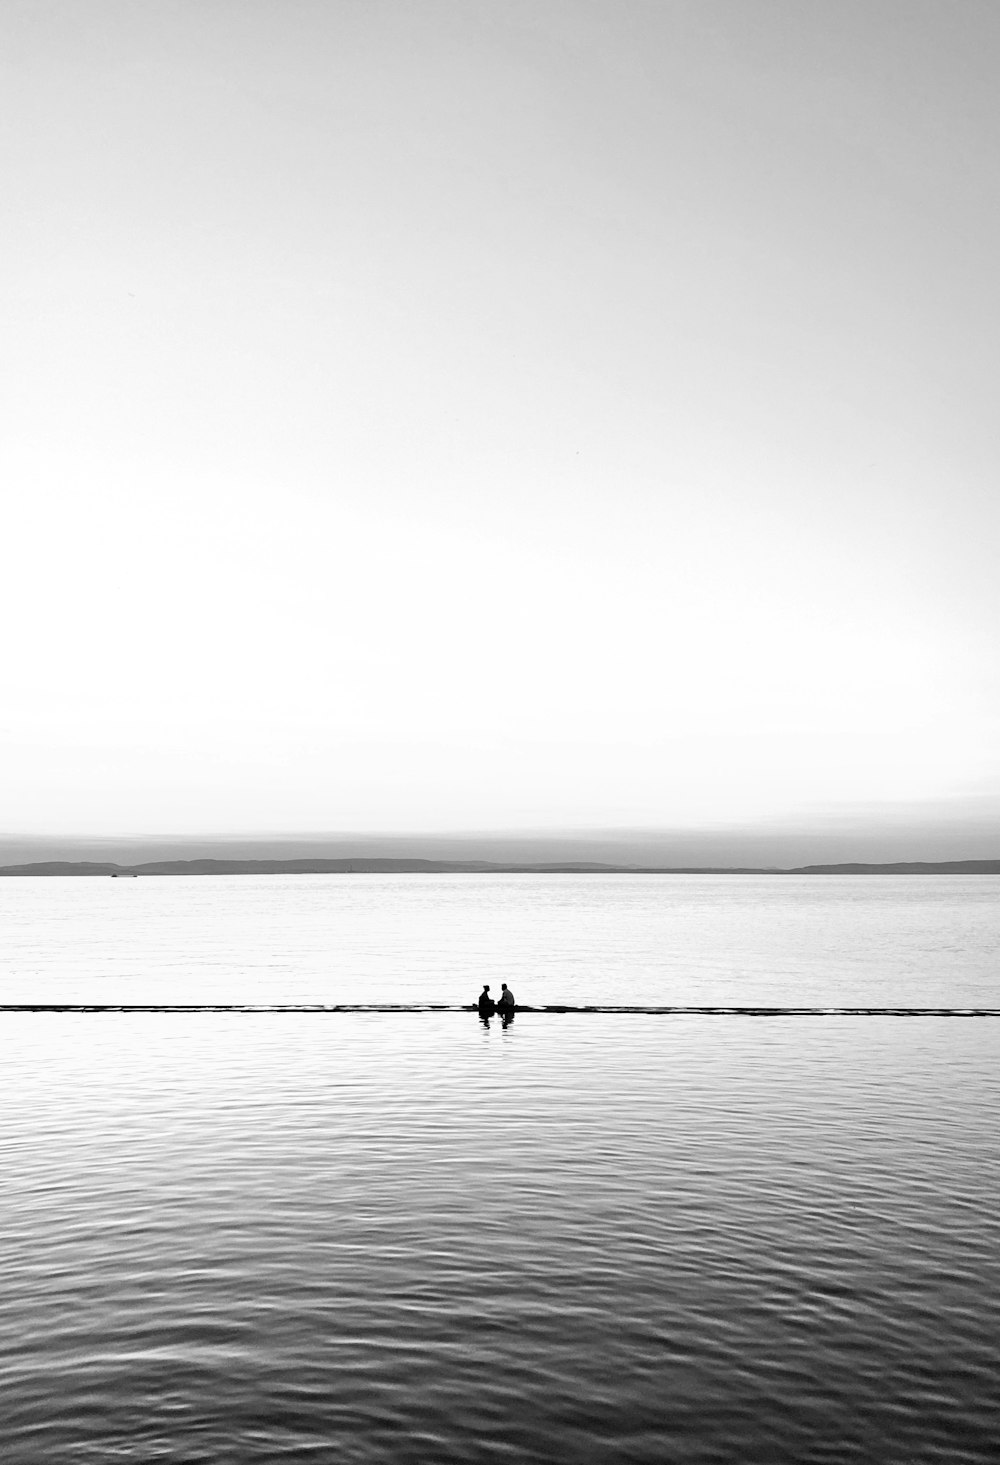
pixel 685 940
pixel 281 1237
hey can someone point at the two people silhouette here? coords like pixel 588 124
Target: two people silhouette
pixel 504 1004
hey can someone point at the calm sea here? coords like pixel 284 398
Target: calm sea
pixel 240 1238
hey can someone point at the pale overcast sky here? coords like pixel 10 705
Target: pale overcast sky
pixel 440 414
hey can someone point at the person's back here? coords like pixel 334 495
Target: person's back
pixel 506 1002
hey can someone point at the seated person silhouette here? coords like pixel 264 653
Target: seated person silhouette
pixel 487 1007
pixel 505 1006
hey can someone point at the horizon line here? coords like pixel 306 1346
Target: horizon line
pixel 368 865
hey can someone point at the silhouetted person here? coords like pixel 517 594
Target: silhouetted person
pixel 505 1006
pixel 487 1007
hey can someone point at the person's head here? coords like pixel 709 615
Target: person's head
pixel 486 987
pixel 504 985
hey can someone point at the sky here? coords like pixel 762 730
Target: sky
pixel 441 415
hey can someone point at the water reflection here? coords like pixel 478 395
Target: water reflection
pixel 504 1017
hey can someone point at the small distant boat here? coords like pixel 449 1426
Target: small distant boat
pixel 124 875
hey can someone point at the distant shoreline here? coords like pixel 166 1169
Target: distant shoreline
pixel 363 866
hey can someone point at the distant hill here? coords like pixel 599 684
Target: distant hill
pixel 364 866
pixel 912 867
pixel 61 867
pixel 360 866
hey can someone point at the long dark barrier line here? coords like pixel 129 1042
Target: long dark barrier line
pixel 552 1009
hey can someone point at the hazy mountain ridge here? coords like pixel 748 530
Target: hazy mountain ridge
pixel 403 866
pixel 905 867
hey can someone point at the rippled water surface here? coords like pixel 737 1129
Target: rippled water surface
pixel 270 1237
